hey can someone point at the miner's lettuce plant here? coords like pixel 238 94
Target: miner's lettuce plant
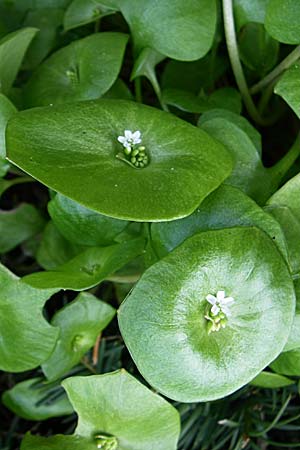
pixel 150 222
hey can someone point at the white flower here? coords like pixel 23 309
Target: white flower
pixel 130 139
pixel 220 303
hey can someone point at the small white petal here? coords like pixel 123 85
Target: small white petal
pixel 226 310
pixel 128 134
pixel 215 310
pixel 227 301
pixel 136 135
pixel 121 139
pixel 211 299
pixel 220 295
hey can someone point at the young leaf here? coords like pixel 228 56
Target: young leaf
pixel 55 250
pixel 71 146
pixel 284 206
pixel 226 207
pixel 114 409
pixel 7 110
pixel 81 225
pixel 249 174
pixel 288 87
pixel 32 400
pixel 270 380
pixel 12 50
pixel 246 11
pixel 167 322
pixel 288 363
pixel 282 20
pixel 19 224
pixel 26 338
pixel 81 12
pixel 88 268
pixel 79 322
pixel 157 25
pixel 83 70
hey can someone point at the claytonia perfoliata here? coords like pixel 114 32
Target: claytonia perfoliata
pixel 133 154
pixel 219 311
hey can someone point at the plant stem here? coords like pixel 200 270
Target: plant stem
pixel 278 171
pixel 236 65
pixel 284 65
pixel 138 90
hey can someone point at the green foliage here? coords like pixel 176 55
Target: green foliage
pixel 149 158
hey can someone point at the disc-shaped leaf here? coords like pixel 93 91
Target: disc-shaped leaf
pixel 12 50
pixel 88 268
pixel 163 319
pixel 226 207
pixel 83 70
pixel 115 406
pixel 79 322
pixel 157 25
pixel 282 20
pixel 34 400
pixel 288 87
pixel 26 338
pixel 73 149
pixel 81 225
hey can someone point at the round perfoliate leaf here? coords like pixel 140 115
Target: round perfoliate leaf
pixel 74 149
pixel 114 409
pixel 176 336
pixel 83 70
pixel 79 322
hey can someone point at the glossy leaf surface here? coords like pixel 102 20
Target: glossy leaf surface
pixel 282 20
pixel 88 268
pixel 68 145
pixel 7 109
pixel 288 87
pixel 83 70
pixel 28 399
pixel 79 322
pixel 163 319
pixel 22 322
pixel 81 225
pixel 118 406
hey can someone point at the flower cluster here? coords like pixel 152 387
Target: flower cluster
pixel 105 442
pixel 133 154
pixel 219 311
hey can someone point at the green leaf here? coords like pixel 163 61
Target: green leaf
pixel 269 380
pixel 157 25
pixel 114 405
pixel 293 341
pixel 31 400
pixel 7 110
pixel 288 363
pixel 88 268
pixel 83 70
pixel 79 322
pixel 119 90
pixel 163 319
pixel 284 206
pixel 227 98
pixel 81 12
pixel 288 87
pixel 282 20
pixel 19 224
pixel 26 337
pixel 226 207
pixel 12 50
pixel 81 225
pixel 145 66
pixel 48 20
pixel 246 11
pixel 68 145
pixel 248 174
pixel 54 250
pixel 257 49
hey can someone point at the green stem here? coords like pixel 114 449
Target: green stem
pixel 236 65
pixel 284 65
pixel 278 171
pixel 138 89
